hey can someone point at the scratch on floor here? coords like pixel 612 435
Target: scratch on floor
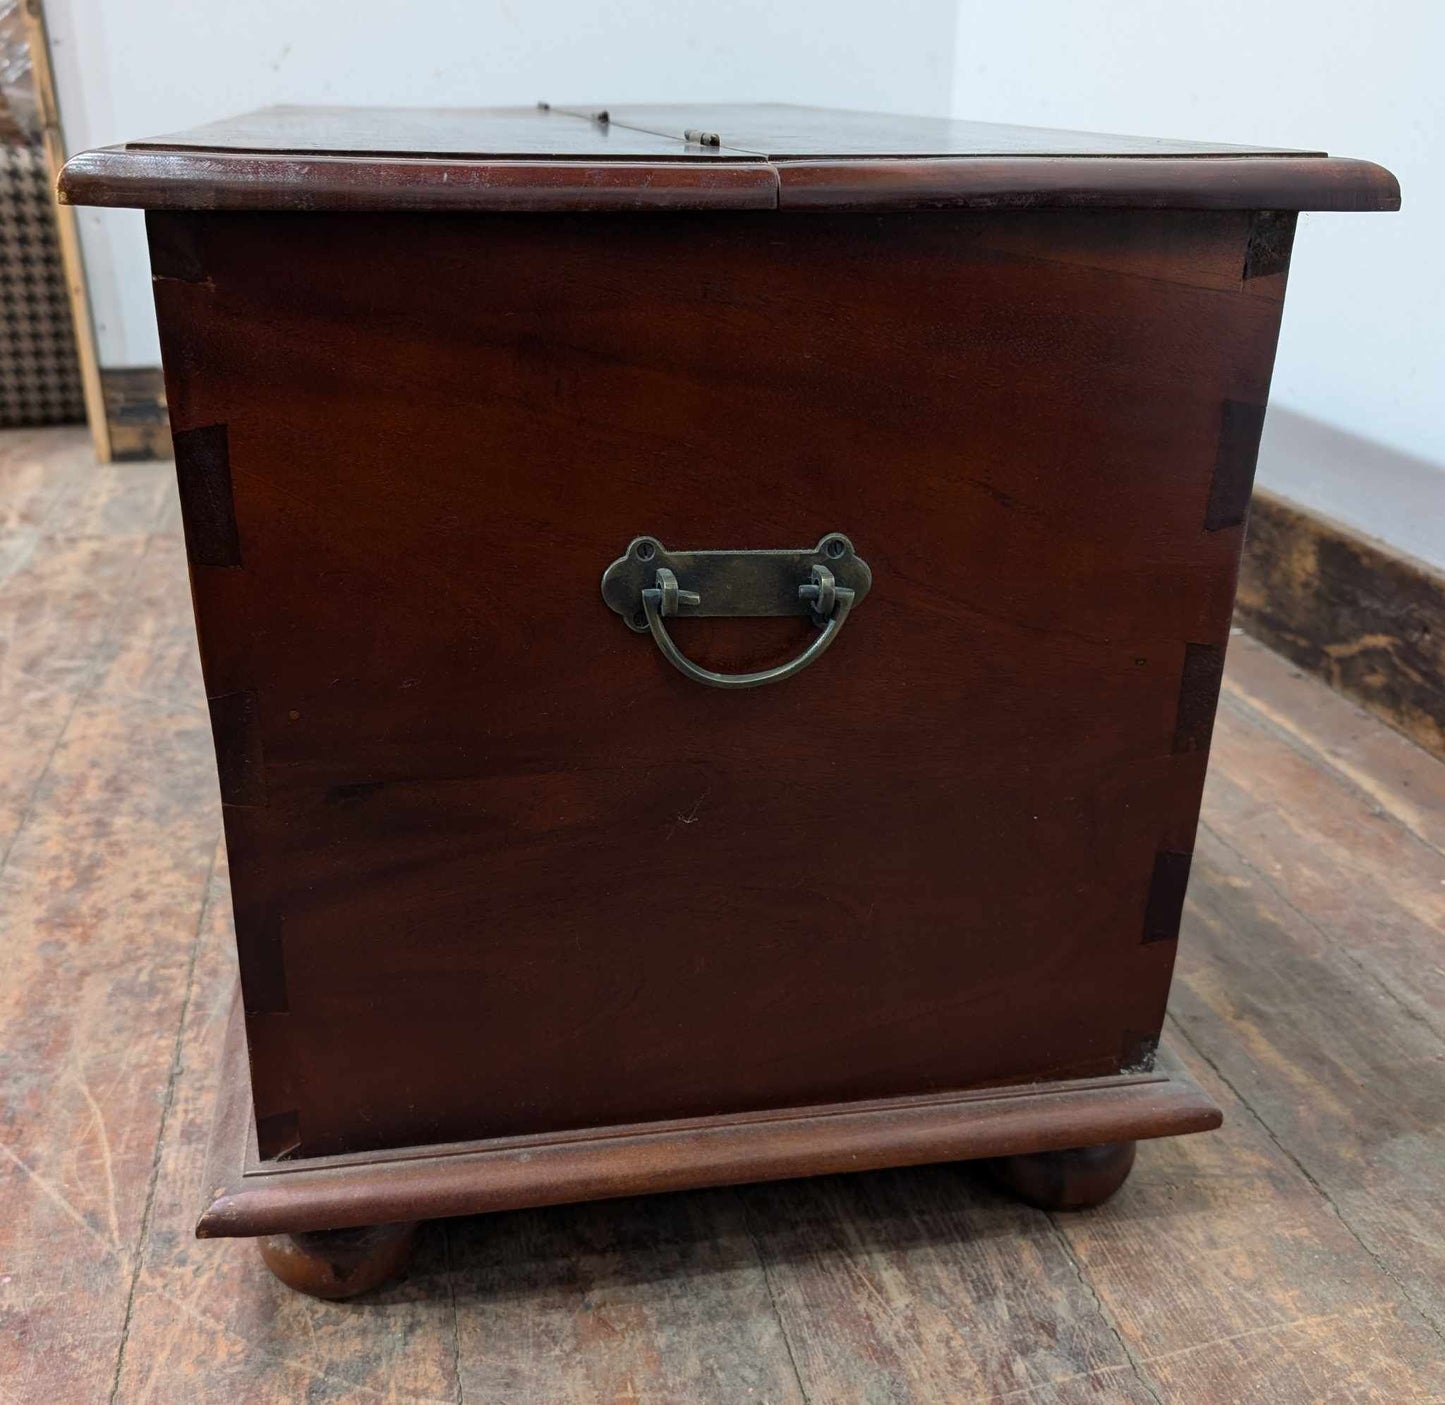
pixel 1027 1390
pixel 1367 1310
pixel 53 1193
pixel 112 1210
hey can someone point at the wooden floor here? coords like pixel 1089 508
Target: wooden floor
pixel 1297 1255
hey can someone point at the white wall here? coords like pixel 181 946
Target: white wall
pixel 1363 343
pixel 137 68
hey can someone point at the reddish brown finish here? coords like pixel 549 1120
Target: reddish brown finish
pixel 296 158
pixel 1076 1178
pixel 191 180
pixel 1023 183
pixel 339 1263
pixel 499 870
pixel 248 1196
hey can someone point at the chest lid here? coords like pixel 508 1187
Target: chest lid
pixel 689 157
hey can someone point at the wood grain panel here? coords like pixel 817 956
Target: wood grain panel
pixel 568 868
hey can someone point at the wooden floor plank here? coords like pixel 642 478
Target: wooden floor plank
pixel 113 500
pixel 660 1299
pixel 1403 780
pixel 154 654
pixel 927 1285
pixel 98 901
pixel 58 607
pixel 104 851
pixel 1338 860
pixel 32 718
pixel 66 564
pixel 1232 1279
pixel 1350 1086
pixel 37 468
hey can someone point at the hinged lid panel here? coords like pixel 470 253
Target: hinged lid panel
pixel 783 131
pixel 683 157
pixel 466 133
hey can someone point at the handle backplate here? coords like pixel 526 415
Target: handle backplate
pixel 732 583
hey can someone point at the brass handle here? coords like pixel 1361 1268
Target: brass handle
pixel 831 604
pixel 648 585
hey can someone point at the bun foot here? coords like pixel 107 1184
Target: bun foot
pixel 339 1263
pixel 1076 1179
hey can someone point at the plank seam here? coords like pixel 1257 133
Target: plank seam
pixel 1105 1316
pixel 772 1295
pixel 147 1213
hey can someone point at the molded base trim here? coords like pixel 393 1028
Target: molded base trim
pixel 247 1197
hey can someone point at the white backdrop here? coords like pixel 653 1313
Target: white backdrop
pixel 1363 347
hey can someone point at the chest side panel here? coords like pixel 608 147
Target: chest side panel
pixel 498 868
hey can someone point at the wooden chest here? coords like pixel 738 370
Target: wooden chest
pixel 533 901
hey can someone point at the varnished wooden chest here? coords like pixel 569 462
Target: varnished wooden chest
pixel 847 822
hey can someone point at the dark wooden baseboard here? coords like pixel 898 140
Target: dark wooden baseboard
pixel 135 412
pixel 1369 621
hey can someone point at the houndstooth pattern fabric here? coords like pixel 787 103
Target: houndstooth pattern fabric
pixel 39 372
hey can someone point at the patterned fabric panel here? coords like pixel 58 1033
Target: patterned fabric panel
pixel 39 372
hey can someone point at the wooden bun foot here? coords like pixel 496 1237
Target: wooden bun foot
pixel 339 1263
pixel 1076 1179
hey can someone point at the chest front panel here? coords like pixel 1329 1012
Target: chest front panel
pixel 498 867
